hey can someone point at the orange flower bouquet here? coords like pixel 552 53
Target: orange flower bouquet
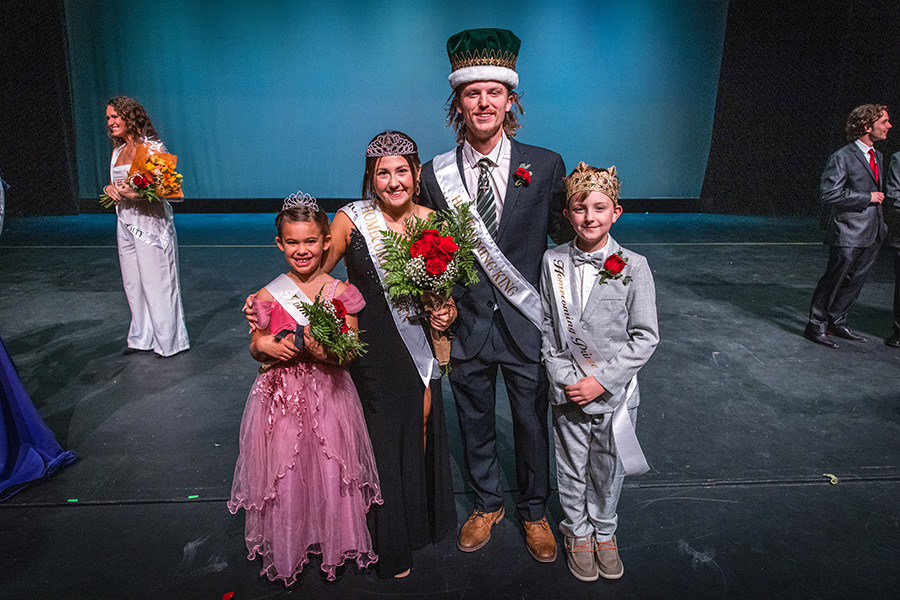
pixel 152 175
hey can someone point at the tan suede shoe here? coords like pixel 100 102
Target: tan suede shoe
pixel 540 541
pixel 476 532
pixel 580 558
pixel 608 562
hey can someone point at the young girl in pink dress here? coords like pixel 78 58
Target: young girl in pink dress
pixel 305 475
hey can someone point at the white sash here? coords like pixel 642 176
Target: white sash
pixel 505 277
pixel 369 221
pixel 589 359
pixel 286 292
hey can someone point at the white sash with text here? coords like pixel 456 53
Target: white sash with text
pixel 369 221
pixel 589 359
pixel 286 292
pixel 502 274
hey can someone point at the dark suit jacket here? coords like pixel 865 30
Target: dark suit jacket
pixel 892 201
pixel 846 188
pixel 530 213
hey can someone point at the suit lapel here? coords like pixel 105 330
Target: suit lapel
pixel 516 157
pixel 459 165
pixel 598 292
pixel 861 157
pixel 878 158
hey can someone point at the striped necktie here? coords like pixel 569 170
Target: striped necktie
pixel 484 202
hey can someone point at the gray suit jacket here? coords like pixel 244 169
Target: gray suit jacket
pixel 530 213
pixel 892 201
pixel 620 320
pixel 846 188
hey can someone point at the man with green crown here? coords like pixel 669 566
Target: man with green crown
pixel 517 199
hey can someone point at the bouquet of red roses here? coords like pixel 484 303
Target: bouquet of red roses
pixel 328 326
pixel 152 175
pixel 426 263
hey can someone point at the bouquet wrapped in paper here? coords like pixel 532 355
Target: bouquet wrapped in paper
pixel 426 263
pixel 328 326
pixel 152 174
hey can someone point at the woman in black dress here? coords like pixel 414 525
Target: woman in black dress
pixel 391 377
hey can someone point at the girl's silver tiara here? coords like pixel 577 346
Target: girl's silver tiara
pixel 298 198
pixel 390 144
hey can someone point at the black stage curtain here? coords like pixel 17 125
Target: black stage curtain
pixel 791 73
pixel 37 132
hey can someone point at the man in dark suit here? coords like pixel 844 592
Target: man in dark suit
pixel 851 187
pixel 518 198
pixel 892 215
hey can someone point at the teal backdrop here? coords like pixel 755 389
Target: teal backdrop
pixel 259 99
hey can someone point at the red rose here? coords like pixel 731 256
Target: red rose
pixel 429 234
pixel 139 181
pixel 431 251
pixel 614 264
pixel 446 247
pixel 339 309
pixel 418 248
pixel 435 266
pixel 344 328
pixel 523 174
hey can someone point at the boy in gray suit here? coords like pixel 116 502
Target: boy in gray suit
pixel 599 329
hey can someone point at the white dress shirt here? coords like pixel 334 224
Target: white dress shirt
pixel 586 274
pixel 865 149
pixel 500 157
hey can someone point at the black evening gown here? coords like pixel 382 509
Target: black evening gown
pixel 416 485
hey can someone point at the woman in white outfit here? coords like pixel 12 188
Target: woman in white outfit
pixel 148 248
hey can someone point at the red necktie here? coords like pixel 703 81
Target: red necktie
pixel 873 164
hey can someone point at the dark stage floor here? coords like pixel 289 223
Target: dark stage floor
pixel 741 417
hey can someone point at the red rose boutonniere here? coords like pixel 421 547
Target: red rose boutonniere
pixel 612 269
pixel 522 175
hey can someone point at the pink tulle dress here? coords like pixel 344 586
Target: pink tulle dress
pixel 306 474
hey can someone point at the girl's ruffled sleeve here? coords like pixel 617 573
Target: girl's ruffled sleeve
pixel 263 310
pixel 352 298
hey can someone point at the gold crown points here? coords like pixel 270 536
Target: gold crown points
pixel 485 57
pixel 592 179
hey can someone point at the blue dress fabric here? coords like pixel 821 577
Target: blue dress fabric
pixel 29 451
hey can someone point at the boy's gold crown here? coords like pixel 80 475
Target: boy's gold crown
pixel 586 178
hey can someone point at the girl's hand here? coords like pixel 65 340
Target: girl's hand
pixel 313 347
pixel 441 319
pixel 282 350
pixel 250 312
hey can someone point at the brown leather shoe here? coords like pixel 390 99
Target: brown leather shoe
pixel 476 532
pixel 540 541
